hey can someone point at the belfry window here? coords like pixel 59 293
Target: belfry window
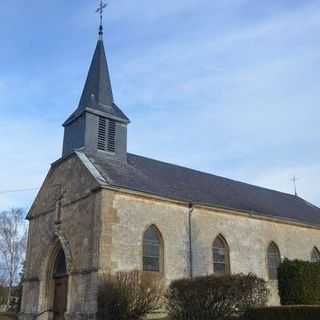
pixel 102 133
pixel 315 255
pixel 106 134
pixel 273 260
pixel 221 260
pixel 152 250
pixel 112 136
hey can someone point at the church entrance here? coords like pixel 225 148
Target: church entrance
pixel 60 278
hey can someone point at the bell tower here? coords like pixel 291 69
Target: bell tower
pixel 97 125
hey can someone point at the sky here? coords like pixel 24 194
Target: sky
pixel 229 87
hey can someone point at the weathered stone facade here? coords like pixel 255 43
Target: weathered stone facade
pixel 247 237
pixel 90 219
pixel 101 229
pixel 76 231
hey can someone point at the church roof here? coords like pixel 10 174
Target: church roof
pixel 97 94
pixel 183 184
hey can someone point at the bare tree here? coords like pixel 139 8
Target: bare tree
pixel 2 274
pixel 13 235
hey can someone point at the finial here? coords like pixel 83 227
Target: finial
pixel 100 10
pixel 294 180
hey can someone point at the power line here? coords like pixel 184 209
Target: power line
pixel 17 190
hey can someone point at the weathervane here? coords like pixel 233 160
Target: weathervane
pixel 294 180
pixel 100 10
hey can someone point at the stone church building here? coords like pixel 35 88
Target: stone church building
pixel 102 209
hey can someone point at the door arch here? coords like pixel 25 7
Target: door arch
pixel 60 287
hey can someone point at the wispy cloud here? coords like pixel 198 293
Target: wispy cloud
pixel 229 87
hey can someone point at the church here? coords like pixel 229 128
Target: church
pixel 102 209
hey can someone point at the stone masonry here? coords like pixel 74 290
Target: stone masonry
pixel 101 230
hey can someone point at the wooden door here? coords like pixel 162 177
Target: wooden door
pixel 60 298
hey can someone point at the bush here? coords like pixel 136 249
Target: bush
pixel 284 313
pixel 299 282
pixel 128 295
pixel 215 298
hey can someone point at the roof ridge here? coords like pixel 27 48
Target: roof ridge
pixel 219 176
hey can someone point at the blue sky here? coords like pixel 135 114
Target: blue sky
pixel 230 87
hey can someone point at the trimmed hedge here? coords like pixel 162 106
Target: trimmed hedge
pixel 283 313
pixel 213 297
pixel 299 282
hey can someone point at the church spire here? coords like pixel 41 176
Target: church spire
pixel 97 124
pixel 97 90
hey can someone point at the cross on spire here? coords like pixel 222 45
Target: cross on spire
pixel 100 10
pixel 294 180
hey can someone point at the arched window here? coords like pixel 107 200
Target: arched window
pixel 274 260
pixel 60 269
pixel 152 250
pixel 221 261
pixel 315 255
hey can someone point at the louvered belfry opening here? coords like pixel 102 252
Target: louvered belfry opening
pixel 106 134
pixel 102 131
pixel 112 136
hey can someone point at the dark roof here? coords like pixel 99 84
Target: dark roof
pixel 97 93
pixel 183 184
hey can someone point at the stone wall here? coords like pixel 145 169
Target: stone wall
pixel 75 228
pixel 102 230
pixel 248 238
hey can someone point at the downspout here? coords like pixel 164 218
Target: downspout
pixel 190 239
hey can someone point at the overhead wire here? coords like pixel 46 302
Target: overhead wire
pixel 17 190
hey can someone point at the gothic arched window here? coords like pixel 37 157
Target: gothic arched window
pixel 273 260
pixel 220 252
pixel 60 268
pixel 315 255
pixel 152 250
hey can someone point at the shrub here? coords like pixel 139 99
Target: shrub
pixel 128 295
pixel 284 313
pixel 214 297
pixel 299 282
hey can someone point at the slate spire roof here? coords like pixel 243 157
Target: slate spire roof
pixel 97 89
pixel 97 93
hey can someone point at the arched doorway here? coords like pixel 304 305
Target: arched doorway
pixel 60 279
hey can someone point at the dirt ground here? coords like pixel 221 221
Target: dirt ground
pixel 7 316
